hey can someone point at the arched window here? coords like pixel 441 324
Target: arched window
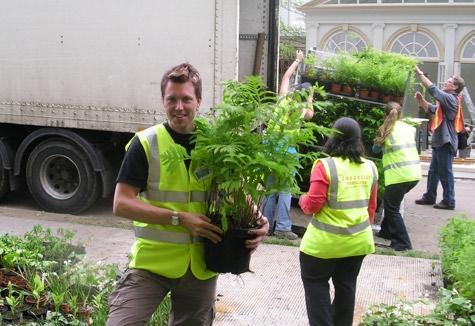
pixel 345 41
pixel 468 52
pixel 416 44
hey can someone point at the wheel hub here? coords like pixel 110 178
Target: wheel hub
pixel 60 177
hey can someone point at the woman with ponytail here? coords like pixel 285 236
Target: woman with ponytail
pixel 402 171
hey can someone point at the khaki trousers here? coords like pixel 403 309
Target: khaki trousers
pixel 139 292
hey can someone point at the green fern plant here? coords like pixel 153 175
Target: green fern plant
pixel 244 142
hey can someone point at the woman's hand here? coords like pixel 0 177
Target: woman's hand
pixel 299 56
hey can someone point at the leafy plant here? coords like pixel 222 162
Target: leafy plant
pixel 241 153
pixel 160 316
pixel 310 62
pixel 14 298
pixel 346 70
pixel 457 242
pixel 37 287
pixel 451 309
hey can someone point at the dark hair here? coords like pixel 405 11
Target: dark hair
pixel 346 141
pixel 459 82
pixel 181 74
pixel 302 86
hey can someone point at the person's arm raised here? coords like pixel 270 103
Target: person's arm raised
pixel 284 84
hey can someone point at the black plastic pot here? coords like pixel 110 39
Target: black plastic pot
pixel 230 255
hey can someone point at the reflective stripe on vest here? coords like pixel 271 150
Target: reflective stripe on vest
pixel 154 177
pixel 395 147
pixel 400 164
pixel 408 151
pixel 333 191
pixel 175 196
pixel 153 173
pixel 165 236
pixel 339 230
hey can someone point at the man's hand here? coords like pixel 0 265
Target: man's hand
pixel 199 225
pixel 423 78
pixel 418 70
pixel 418 96
pixel 259 233
pixel 422 101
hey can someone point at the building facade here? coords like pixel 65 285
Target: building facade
pixel 439 33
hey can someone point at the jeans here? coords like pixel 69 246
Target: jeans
pixel 279 213
pixel 316 272
pixel 441 169
pixel 392 226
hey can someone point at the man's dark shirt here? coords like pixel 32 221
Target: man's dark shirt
pixel 134 169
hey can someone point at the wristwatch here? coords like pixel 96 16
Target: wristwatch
pixel 174 219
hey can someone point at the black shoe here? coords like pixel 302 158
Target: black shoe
pixel 383 235
pixel 424 201
pixel 399 248
pixel 443 205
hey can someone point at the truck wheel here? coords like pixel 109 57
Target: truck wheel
pixel 61 178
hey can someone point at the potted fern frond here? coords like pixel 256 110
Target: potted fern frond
pixel 242 143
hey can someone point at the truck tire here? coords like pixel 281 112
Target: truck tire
pixel 61 178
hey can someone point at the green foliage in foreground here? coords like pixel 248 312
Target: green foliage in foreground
pixel 452 309
pixel 457 243
pixel 52 266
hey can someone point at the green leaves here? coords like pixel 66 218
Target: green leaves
pixel 457 242
pixel 246 140
pixel 451 309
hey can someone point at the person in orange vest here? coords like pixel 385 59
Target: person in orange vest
pixel 342 198
pixel 167 207
pixel 446 121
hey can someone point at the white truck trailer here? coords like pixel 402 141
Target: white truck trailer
pixel 79 78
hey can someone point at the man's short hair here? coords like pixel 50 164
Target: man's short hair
pixel 181 74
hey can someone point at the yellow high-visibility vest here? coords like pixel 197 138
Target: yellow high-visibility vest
pixel 342 228
pixel 400 157
pixel 169 250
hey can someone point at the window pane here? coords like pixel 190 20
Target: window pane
pixel 415 44
pixel 368 1
pixel 345 42
pixel 468 74
pixel 469 51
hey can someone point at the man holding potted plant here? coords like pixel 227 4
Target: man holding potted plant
pixel 446 122
pixel 167 205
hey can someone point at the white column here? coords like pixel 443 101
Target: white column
pixel 312 38
pixel 378 34
pixel 449 38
